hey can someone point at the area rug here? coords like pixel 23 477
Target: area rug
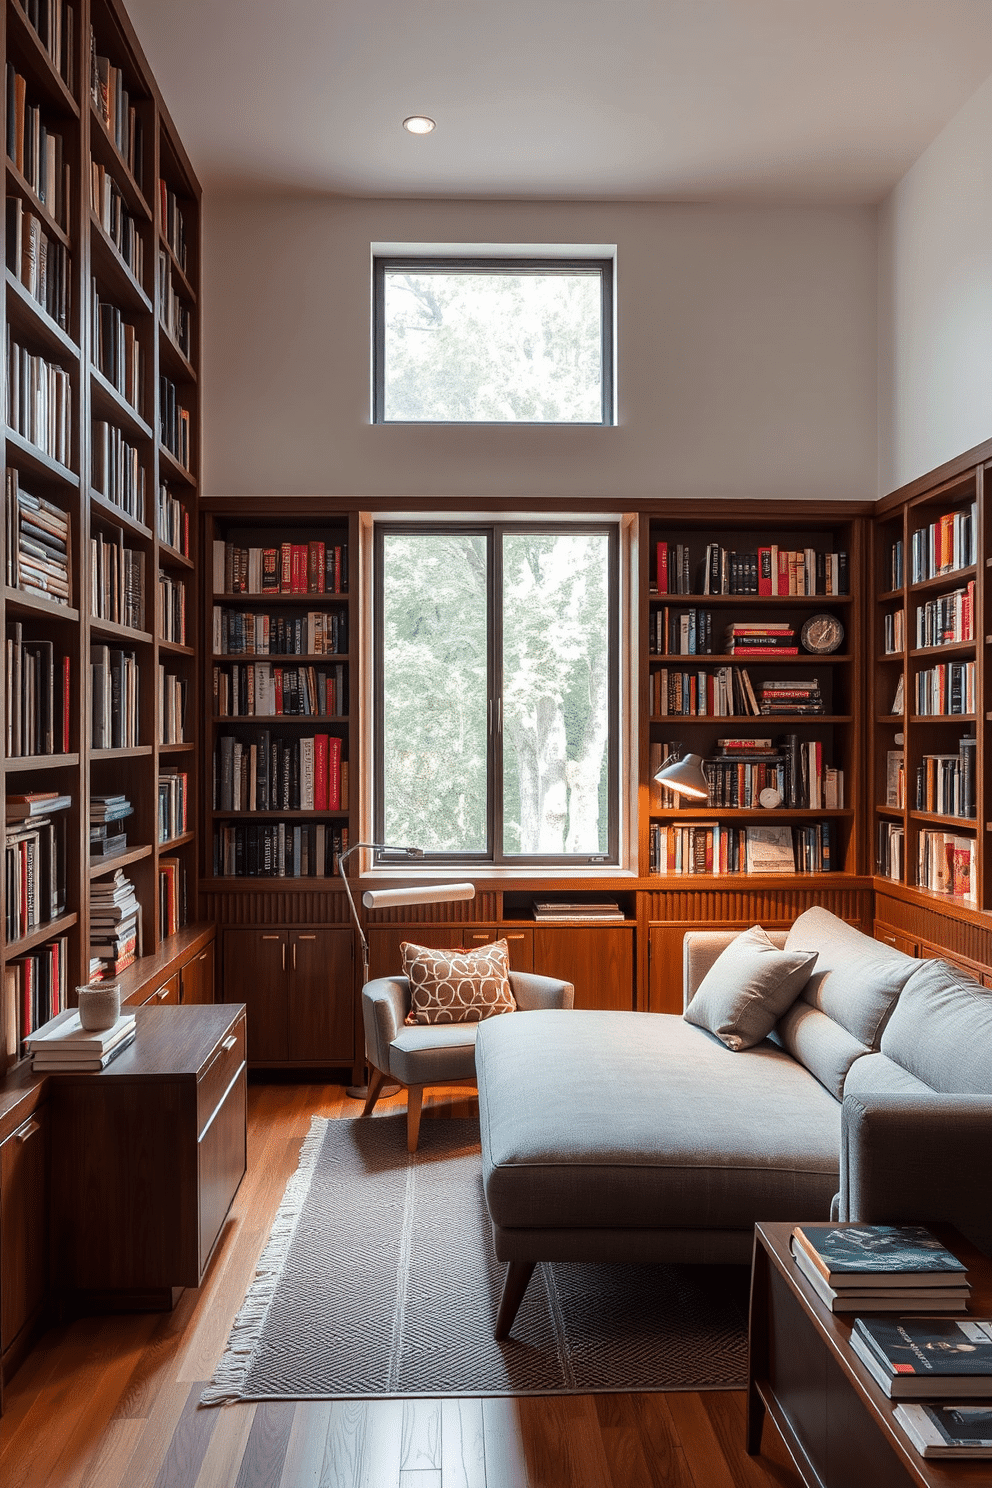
pixel 379 1280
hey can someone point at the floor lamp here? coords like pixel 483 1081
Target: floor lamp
pixel 383 898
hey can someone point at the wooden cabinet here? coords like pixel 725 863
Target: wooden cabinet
pixel 196 978
pixel 298 987
pixel 519 942
pixel 598 960
pixel 166 994
pixel 148 1155
pixel 24 1159
pixel 385 942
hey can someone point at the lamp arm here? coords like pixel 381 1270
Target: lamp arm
pixel 411 852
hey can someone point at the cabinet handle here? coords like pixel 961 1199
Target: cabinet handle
pixel 229 1043
pixel 162 993
pixel 513 937
pixel 29 1131
pixel 306 937
pixel 474 936
pixel 202 956
pixel 284 955
pixel 294 955
pixel 271 937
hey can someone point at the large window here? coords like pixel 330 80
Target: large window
pixel 496 691
pixel 516 341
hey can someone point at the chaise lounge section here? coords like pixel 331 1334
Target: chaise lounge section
pixel 647 1139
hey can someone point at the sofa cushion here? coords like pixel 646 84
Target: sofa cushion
pixel 941 1030
pixel 854 985
pixel 747 988
pixel 430 1055
pixel 457 986
pixel 617 1120
pixel 877 1075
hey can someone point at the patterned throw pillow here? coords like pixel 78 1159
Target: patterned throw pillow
pixel 457 986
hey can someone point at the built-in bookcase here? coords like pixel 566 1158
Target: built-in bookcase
pixel 101 312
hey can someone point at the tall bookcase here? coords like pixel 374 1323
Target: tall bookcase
pixel 99 189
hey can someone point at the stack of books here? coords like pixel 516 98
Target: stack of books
pixel 880 1268
pixel 792 696
pixel 927 1357
pixel 65 1045
pixel 115 925
pixel 107 839
pixel 37 544
pixel 958 1430
pixel 756 639
pixel 605 912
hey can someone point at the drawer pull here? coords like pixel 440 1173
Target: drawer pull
pixel 229 1043
pixel 29 1131
pixel 162 993
pixel 480 937
pixel 271 937
pixel 513 937
pixel 306 937
pixel 202 956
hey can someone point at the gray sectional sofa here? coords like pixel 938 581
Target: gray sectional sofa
pixel 640 1137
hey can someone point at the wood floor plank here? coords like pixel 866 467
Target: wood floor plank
pixel 307 1445
pixel 107 1465
pixel 463 1444
pixel 156 1362
pixel 562 1442
pixel 222 1459
pixel 620 1427
pixel 188 1446
pixel 703 1446
pixel 505 1456
pixel 664 1453
pixel 728 1412
pixel 265 1452
pixel 155 1440
pixel 421 1436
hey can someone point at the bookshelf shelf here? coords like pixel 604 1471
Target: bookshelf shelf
pixel 949 648
pixel 704 658
pixel 172 557
pixel 172 359
pixel 16 763
pixel 746 602
pixel 288 813
pixel 768 720
pixel 36 462
pixel 109 403
pixel 171 843
pixel 103 507
pixel 944 581
pixel 36 64
pixel 276 720
pixel 173 470
pixel 33 321
pixel 120 632
pixel 173 648
pixel 50 930
pixel 706 814
pixel 99 867
pixel 25 189
pixel 114 271
pixel 17 602
pixel 104 150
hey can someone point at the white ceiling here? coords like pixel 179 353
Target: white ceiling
pixel 759 100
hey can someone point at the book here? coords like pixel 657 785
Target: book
pixel 885 1298
pixel 956 1429
pixel 769 850
pixel 35 803
pixel 66 1032
pixel 878 1255
pixel 74 1061
pixel 923 1357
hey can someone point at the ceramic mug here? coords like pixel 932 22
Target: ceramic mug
pixel 99 1006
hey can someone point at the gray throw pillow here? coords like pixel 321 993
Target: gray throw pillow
pixel 748 988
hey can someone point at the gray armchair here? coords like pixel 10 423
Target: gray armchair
pixel 438 1053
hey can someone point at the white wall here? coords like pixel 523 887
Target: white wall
pixel 747 358
pixel 935 301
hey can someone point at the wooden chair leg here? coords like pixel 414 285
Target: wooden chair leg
pixel 376 1081
pixel 414 1102
pixel 518 1274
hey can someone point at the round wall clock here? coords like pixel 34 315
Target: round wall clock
pixel 822 634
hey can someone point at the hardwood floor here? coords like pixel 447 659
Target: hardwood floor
pixel 111 1402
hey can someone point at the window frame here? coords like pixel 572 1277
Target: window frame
pixel 604 267
pixel 496 857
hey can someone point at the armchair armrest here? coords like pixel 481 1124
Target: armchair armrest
pixel 700 949
pixel 909 1159
pixel 532 992
pixel 385 1003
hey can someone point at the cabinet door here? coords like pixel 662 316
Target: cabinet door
pixel 897 939
pixel 165 994
pixel 598 960
pixel 385 942
pixel 197 977
pixel 321 997
pixel 520 943
pixel 23 1226
pixel 221 1160
pixel 255 974
pixel 665 969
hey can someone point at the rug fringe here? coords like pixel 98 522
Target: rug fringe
pixel 228 1380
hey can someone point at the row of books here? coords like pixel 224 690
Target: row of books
pixel 38 543
pixel 713 847
pixel 947 619
pixel 172 224
pixel 171 608
pixel 174 423
pixel 796 772
pixel 894 568
pixel 172 521
pixel 767 570
pixel 112 102
pixel 114 689
pixel 945 783
pixel 40 261
pixel 946 864
pixel 117 580
pixel 291 568
pixel 743 638
pixel 34 868
pixel 39 401
pixel 729 692
pixel 35 989
pixel 273 774
pixel 945 689
pixel 578 912
pixel 116 350
pixel 895 778
pixel 891 850
pixel 53 23
pixel 248 633
pixel 115 925
pixel 172 903
pixel 173 691
pixel 173 804
pixel 37 151
pixel 116 469
pixel 111 211
pixel 278 850
pixel 173 311
pixel 944 546
pixel 680 632
pixel 894 632
pixel 259 690
pixel 38 693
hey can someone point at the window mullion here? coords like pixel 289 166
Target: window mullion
pixel 495 765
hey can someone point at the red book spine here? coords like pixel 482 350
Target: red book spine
pixel 286 568
pixel 277 684
pixel 337 570
pixel 66 710
pixel 764 570
pixel 768 651
pixel 662 568
pixel 23 865
pixel 185 533
pixel 299 568
pixel 334 774
pixel 320 566
pixel 320 766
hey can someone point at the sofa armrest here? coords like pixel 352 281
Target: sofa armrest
pixel 532 992
pixel 700 948
pixel 910 1159
pixel 385 1003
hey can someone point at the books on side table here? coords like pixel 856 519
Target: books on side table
pixel 880 1268
pixel 924 1358
pixel 606 912
pixel 63 1044
pixel 958 1429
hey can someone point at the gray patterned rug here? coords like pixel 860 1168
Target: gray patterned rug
pixel 379 1280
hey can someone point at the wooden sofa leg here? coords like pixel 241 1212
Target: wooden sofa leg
pixel 518 1274
pixel 414 1102
pixel 376 1081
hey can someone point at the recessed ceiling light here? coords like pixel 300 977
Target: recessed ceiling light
pixel 418 124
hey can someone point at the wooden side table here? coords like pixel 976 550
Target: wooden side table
pixel 836 1422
